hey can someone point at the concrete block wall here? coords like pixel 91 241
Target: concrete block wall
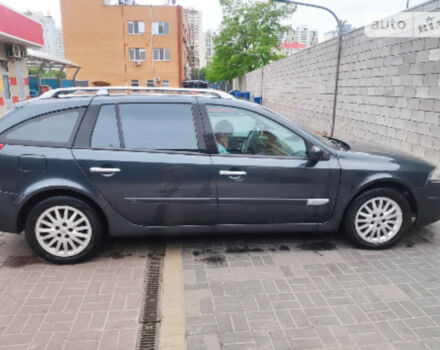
pixel 389 89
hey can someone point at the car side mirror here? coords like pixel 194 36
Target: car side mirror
pixel 316 153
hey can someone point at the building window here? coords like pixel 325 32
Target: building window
pixel 4 77
pixel 6 87
pixel 137 54
pixel 135 83
pixel 150 83
pixel 161 54
pixel 166 83
pixel 136 27
pixel 161 28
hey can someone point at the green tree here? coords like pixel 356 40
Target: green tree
pixel 250 33
pixel 47 74
pixel 202 73
pixel 199 74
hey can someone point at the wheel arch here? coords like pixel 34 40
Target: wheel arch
pixel 384 183
pixel 35 198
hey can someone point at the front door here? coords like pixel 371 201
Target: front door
pixel 263 173
pixel 145 159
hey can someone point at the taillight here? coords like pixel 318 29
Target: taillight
pixel 1 145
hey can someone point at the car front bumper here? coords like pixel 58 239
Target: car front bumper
pixel 428 210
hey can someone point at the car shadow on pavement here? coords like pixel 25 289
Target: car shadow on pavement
pixel 208 244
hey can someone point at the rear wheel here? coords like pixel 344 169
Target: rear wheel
pixel 378 218
pixel 63 230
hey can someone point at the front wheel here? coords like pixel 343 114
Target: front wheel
pixel 63 230
pixel 378 218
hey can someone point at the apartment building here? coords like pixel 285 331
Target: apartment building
pixel 196 38
pixel 209 46
pixel 307 36
pixel 346 27
pixel 122 43
pixel 53 36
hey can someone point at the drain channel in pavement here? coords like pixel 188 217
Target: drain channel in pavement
pixel 150 319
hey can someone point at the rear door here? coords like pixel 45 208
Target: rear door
pixel 148 158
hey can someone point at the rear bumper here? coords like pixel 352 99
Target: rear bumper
pixel 429 204
pixel 8 210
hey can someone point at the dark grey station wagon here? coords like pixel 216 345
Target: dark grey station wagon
pixel 80 163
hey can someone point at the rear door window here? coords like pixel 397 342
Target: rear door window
pixel 158 126
pixel 105 134
pixel 51 129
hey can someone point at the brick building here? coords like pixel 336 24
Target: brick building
pixel 122 44
pixel 17 33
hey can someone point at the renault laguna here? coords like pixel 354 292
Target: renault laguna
pixel 77 164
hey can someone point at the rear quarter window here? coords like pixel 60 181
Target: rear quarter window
pixel 50 129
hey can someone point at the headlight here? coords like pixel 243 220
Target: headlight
pixel 435 175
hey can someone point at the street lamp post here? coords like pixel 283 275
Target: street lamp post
pixel 338 58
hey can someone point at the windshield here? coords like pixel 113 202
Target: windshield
pixel 311 132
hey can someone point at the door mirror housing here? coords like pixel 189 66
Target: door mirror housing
pixel 316 153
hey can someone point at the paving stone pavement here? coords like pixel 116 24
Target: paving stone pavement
pixel 93 305
pixel 311 291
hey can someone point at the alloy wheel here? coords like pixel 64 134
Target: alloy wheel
pixel 378 220
pixel 63 231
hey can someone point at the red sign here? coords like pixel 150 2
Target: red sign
pixel 294 45
pixel 15 99
pixel 13 81
pixel 19 28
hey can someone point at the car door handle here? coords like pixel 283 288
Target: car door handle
pixel 99 170
pixel 232 173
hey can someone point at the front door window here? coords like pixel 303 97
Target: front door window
pixel 239 131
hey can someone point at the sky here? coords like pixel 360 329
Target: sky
pixel 353 11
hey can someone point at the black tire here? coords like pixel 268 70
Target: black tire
pixel 350 217
pixel 84 208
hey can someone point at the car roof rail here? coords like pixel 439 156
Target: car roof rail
pixel 108 90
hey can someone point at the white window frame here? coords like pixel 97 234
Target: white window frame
pixel 135 83
pixel 165 83
pixel 161 55
pixel 160 28
pixel 137 54
pixel 138 27
pixel 150 82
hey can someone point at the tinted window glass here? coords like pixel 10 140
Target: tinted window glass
pixel 158 126
pixel 54 128
pixel 105 134
pixel 243 132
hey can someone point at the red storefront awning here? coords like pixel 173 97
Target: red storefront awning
pixel 19 29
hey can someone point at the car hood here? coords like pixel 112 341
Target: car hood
pixel 363 150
